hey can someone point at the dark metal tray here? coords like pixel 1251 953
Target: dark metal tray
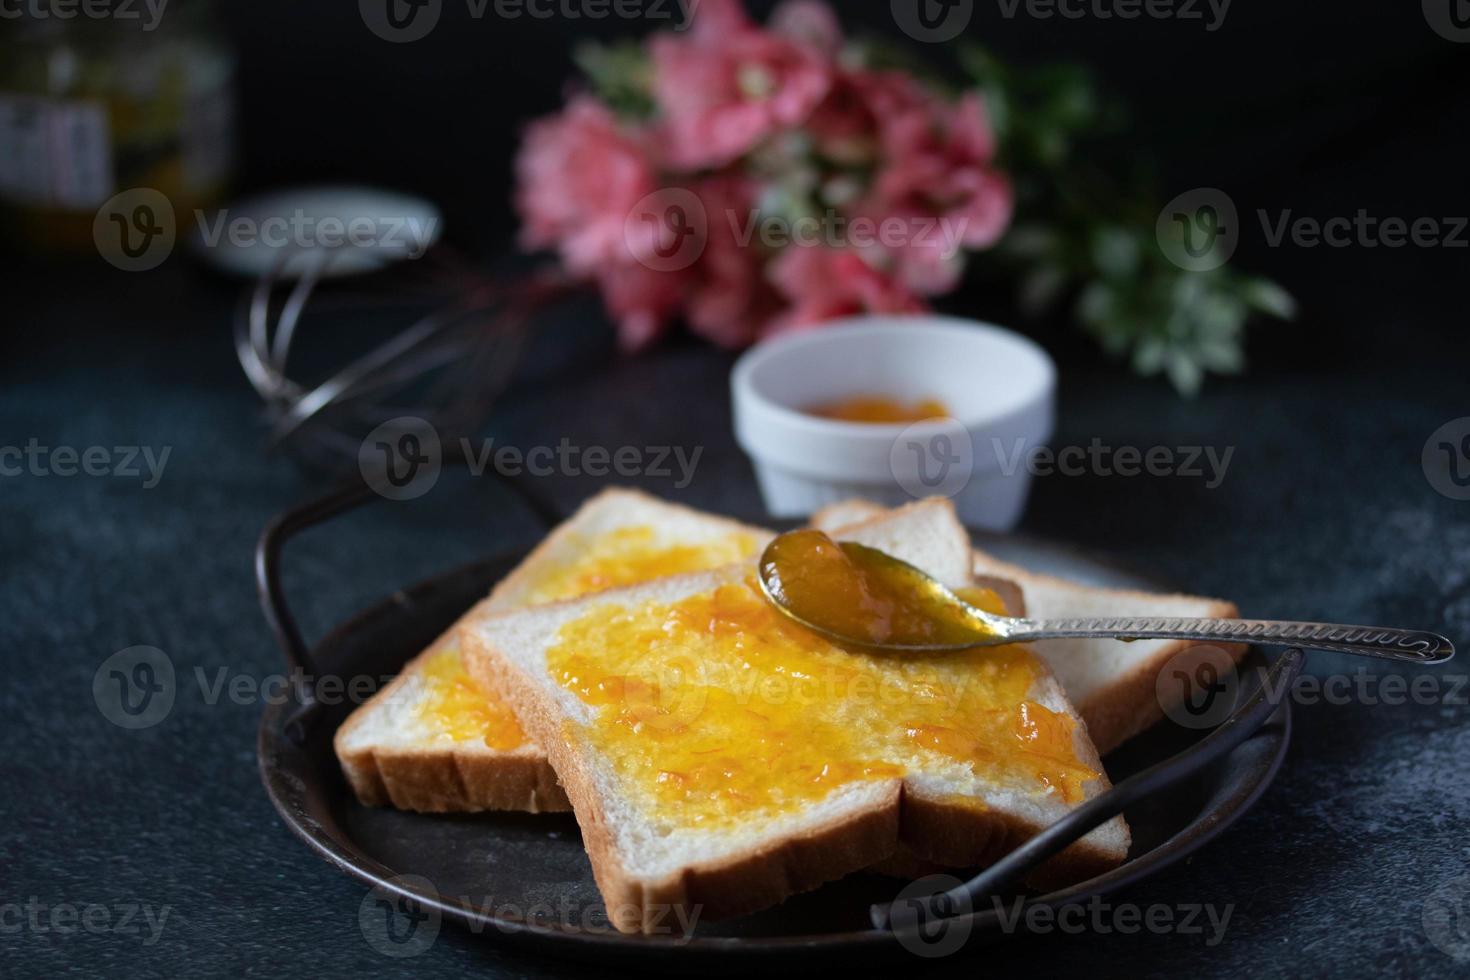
pixel 524 879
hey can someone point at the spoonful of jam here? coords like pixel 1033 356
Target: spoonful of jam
pixel 865 598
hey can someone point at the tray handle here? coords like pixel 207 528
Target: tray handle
pixel 1244 722
pixel 286 526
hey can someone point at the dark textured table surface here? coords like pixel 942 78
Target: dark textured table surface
pixel 1325 512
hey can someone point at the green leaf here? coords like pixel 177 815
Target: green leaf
pixel 1268 297
pixel 1115 250
pixel 1032 241
pixel 1148 356
pixel 1040 288
pixel 1096 302
pixel 998 108
pixel 1220 356
pixel 1219 315
pixel 1184 373
pixel 620 75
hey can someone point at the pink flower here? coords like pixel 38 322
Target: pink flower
pixel 891 96
pixel 931 256
pixel 940 162
pixel 824 283
pixel 728 85
pixel 716 19
pixel 874 145
pixel 851 123
pixel 729 297
pixel 579 176
pixel 809 22
pixel 643 301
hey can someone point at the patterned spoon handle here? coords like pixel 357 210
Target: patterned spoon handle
pixel 1411 646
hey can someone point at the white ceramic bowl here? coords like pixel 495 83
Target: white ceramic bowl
pixel 998 386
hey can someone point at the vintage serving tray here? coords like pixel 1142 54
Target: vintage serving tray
pixel 524 879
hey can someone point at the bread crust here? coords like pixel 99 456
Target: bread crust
pixel 467 777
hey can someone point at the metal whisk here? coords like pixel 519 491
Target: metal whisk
pixel 446 367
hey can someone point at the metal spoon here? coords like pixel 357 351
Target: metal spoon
pixel 977 628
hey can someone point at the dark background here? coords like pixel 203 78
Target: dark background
pixel 1322 109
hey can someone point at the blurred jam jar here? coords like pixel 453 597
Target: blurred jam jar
pixel 102 97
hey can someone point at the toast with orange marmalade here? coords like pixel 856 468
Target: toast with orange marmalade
pixel 720 757
pixel 432 741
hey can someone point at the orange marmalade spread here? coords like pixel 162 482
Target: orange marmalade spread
pixel 716 706
pixel 456 710
pixel 823 584
pixel 879 409
pixel 629 555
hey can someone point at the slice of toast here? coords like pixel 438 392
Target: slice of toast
pixel 709 779
pixel 1113 684
pixel 431 741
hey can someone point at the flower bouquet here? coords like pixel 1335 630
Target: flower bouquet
pixel 750 179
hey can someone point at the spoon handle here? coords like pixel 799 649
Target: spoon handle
pixel 1411 646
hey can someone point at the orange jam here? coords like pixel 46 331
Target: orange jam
pixel 456 710
pixel 629 555
pixel 879 409
pixel 716 706
pixel 829 585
